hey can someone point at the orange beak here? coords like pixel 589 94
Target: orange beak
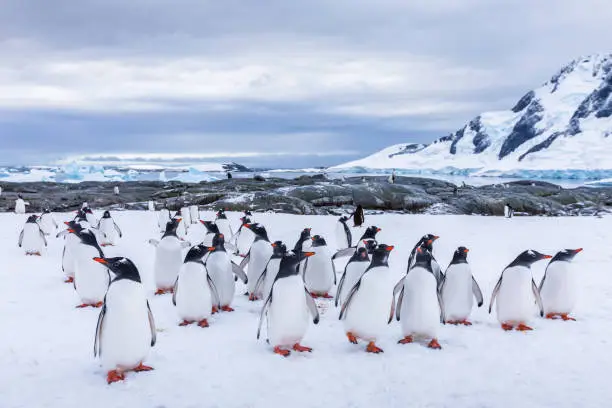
pixel 578 250
pixel 71 231
pixel 179 219
pixel 307 254
pixel 547 257
pixel 378 230
pixel 66 222
pixel 101 260
pixel 390 248
pixel 466 250
pixel 246 226
pixel 274 245
pixel 212 249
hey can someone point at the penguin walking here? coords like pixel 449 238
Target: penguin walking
pixel 222 270
pixel 344 236
pixel 426 242
pixel 91 279
pixel 303 243
pixel 195 294
pixel 168 257
pixel 109 228
pixel 257 258
pixel 151 206
pixel 319 270
pixel 32 239
pixel 71 241
pixel 212 229
pixel 288 307
pixel 185 214
pixel 194 214
pixel 515 291
pixel 369 306
pixel 20 205
pixel 279 250
pixel 90 216
pixel 368 235
pixel 47 223
pixel 244 237
pixel 353 270
pixel 125 331
pixel 458 290
pixel 358 216
pixel 419 306
pixel 558 286
pixel 181 228
pixel 223 224
pixel 162 219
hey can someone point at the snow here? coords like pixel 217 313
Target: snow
pixel 46 346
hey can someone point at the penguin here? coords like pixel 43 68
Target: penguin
pixel 91 279
pixel 109 229
pixel 419 305
pixel 195 294
pixel 185 214
pixel 168 257
pixel 369 306
pixel 319 271
pixel 257 258
pixel 288 307
pixel 20 205
pixel 32 239
pixel 303 243
pixel 515 291
pixel 223 224
pixel 125 331
pixel 244 237
pixel 151 206
pixel 279 250
pixel 116 190
pixel 212 229
pixel 221 269
pixel 344 236
pixel 458 290
pixel 90 217
pixel 71 242
pixel 194 214
pixel 47 223
pixel 558 286
pixel 162 219
pixel 368 235
pixel 353 270
pixel 426 242
pixel 358 216
pixel 181 229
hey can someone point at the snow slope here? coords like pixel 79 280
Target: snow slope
pixel 46 345
pixel 558 130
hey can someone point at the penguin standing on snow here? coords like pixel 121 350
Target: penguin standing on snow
pixel 515 291
pixel 244 237
pixel 344 236
pixel 47 223
pixel 369 306
pixel 151 206
pixel 353 270
pixel 426 242
pixel 126 329
pixel 358 216
pixel 288 307
pixel 195 294
pixel 32 239
pixel 222 270
pixel 223 224
pixel 368 235
pixel 109 229
pixel 419 306
pixel 91 279
pixel 162 219
pixel 90 217
pixel 211 230
pixel 185 213
pixel 279 250
pixel 181 228
pixel 257 258
pixel 20 205
pixel 303 243
pixel 319 271
pixel 558 286
pixel 194 214
pixel 458 289
pixel 71 242
pixel 168 257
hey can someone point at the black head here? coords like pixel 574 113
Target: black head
pixel 178 214
pixel 305 234
pixel 221 214
pixel 218 243
pixel 370 232
pixel 278 249
pixel 106 214
pixel 343 219
pixel 46 211
pixel 423 258
pixel 318 241
pixel 528 257
pixel 259 230
pixel 80 215
pixel 427 241
pixel 566 255
pixel 361 255
pixel 89 238
pixel 289 262
pixel 211 227
pixel 196 253
pixel 370 245
pixel 380 256
pixel 122 267
pixel 460 255
pixel 32 219
pixel 87 210
pixel 74 227
pixel 19 196
pixel 248 213
pixel 171 227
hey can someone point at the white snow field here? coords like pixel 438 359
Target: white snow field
pixel 46 345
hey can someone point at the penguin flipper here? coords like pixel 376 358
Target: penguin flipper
pixel 62 233
pixel 349 235
pixel 246 260
pixel 312 306
pixel 477 292
pixel 400 299
pixel 543 279
pixel 495 291
pixel 339 289
pixel 392 310
pixel 398 286
pixel 20 242
pixel 118 230
pixel 154 242
pixel 99 328
pixel 305 268
pixel 152 325
pixel 213 289
pixel 334 272
pixel 344 252
pixel 174 291
pixel 260 280
pixel 42 235
pixel 239 272
pixel 349 298
pixel 263 313
pixel 536 293
pixel 441 304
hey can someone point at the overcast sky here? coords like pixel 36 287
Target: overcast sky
pixel 303 82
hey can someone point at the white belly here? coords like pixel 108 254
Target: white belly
pixel 319 273
pixel 194 214
pixel 288 314
pixel 261 251
pixel 368 312
pixel 46 224
pixel 220 269
pixel 515 302
pixel 20 207
pixel 272 271
pixel 91 219
pixel 168 261
pixel 244 241
pixel 109 233
pixel 420 310
pixel 32 240
pixel 186 215
pixel 68 259
pixel 354 270
pixel 181 230
pixel 341 239
pixel 126 334
pixel 224 228
pixel 457 292
pixel 193 295
pixel 559 290
pixel 162 219
pixel 91 278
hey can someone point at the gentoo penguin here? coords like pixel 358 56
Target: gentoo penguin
pixel 558 286
pixel 288 307
pixel 419 305
pixel 20 205
pixel 116 190
pixel 181 228
pixel 90 217
pixel 195 294
pixel 279 249
pixel 211 230
pixel 109 229
pixel 223 224
pixel 368 235
pixel 168 257
pixel 162 219
pixel 426 242
pixel 186 216
pixel 353 270
pixel 303 243
pixel 515 291
pixel 319 270
pixel 71 242
pixel 221 270
pixel 257 258
pixel 48 225
pixel 358 216
pixel 194 214
pixel 126 329
pixel 369 305
pixel 458 289
pixel 151 206
pixel 244 237
pixel 32 239
pixel 91 279
pixel 344 237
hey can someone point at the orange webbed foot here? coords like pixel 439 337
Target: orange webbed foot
pixel 252 297
pixel 114 376
pixel 301 349
pixel 227 308
pixel 69 279
pixel 372 348
pixel 507 327
pixel 405 340
pixel 185 323
pixel 433 344
pixel 352 338
pixel 566 318
pixel 523 327
pixel 203 323
pixel 142 368
pixel 281 351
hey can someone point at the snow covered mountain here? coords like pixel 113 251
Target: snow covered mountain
pixel 559 130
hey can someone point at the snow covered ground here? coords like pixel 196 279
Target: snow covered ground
pixel 46 345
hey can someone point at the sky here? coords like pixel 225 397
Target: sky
pixel 271 83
